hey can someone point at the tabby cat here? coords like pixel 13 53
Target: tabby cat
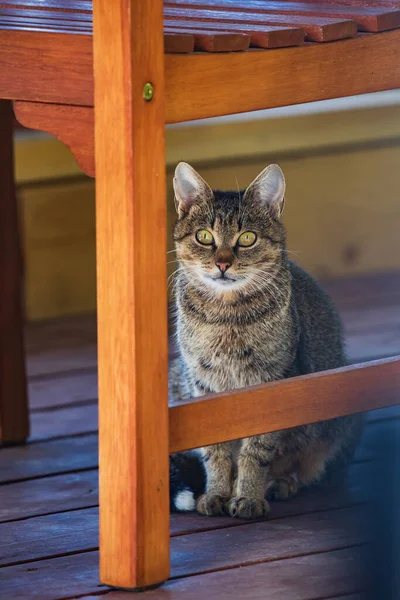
pixel 245 315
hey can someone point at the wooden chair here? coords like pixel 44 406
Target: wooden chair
pixel 110 108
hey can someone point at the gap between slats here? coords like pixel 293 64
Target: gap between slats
pixel 371 19
pixel 319 29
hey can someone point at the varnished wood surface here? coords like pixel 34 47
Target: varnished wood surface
pixel 14 425
pixel 207 40
pixel 372 19
pixel 375 59
pixel 199 85
pixel 55 67
pixel 131 293
pixel 73 125
pixel 261 36
pixel 321 29
pixel 281 405
pixel 49 493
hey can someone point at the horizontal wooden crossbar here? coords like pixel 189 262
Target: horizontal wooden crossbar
pixel 59 70
pixel 283 404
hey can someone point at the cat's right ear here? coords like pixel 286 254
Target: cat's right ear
pixel 268 190
pixel 190 188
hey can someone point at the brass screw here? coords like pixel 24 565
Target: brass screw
pixel 148 92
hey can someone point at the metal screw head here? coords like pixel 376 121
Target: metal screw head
pixel 148 92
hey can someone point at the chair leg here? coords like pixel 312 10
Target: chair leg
pixel 14 420
pixel 132 296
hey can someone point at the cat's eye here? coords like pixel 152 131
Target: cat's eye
pixel 247 239
pixel 204 237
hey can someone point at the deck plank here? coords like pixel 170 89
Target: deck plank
pixel 59 493
pixel 48 458
pixel 51 535
pixel 48 495
pixel 68 533
pixel 332 573
pixel 48 488
pixel 63 390
pixel 61 360
pixel 80 419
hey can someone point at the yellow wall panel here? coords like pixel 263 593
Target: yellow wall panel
pixel 59 248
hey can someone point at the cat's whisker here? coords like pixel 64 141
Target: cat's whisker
pixel 286 251
pixel 180 260
pixel 269 284
pixel 266 291
pixel 174 273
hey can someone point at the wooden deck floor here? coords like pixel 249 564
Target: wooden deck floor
pixel 309 548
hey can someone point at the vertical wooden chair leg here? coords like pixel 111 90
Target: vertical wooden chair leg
pixel 14 422
pixel 132 298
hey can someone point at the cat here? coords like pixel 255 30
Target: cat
pixel 245 315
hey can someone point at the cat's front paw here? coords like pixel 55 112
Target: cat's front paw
pixel 211 505
pixel 248 508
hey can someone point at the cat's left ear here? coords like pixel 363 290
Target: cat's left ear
pixel 268 190
pixel 190 189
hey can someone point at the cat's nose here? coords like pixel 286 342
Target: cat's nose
pixel 223 266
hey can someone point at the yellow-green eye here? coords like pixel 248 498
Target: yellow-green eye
pixel 247 239
pixel 204 237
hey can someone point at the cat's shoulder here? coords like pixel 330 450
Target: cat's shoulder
pixel 300 276
pixel 305 285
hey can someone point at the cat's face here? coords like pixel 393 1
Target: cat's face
pixel 229 241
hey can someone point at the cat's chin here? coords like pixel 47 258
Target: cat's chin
pixel 222 285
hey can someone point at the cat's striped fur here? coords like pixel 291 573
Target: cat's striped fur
pixel 247 315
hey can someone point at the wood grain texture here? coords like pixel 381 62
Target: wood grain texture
pixel 79 452
pixel 374 3
pixel 192 554
pixel 64 577
pixel 73 125
pixel 213 41
pixel 64 390
pixel 59 361
pixel 48 495
pixel 280 405
pixel 71 22
pixel 337 572
pixel 46 67
pixel 14 421
pixel 178 42
pixel 28 72
pixel 72 491
pixel 81 6
pixel 118 596
pixel 51 535
pixel 205 96
pixel 332 574
pixel 328 71
pixel 371 19
pixel 131 293
pixel 48 458
pixel 319 29
pixel 261 36
pixel 76 420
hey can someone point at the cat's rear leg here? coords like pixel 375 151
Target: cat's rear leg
pixel 283 488
pixel 306 467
